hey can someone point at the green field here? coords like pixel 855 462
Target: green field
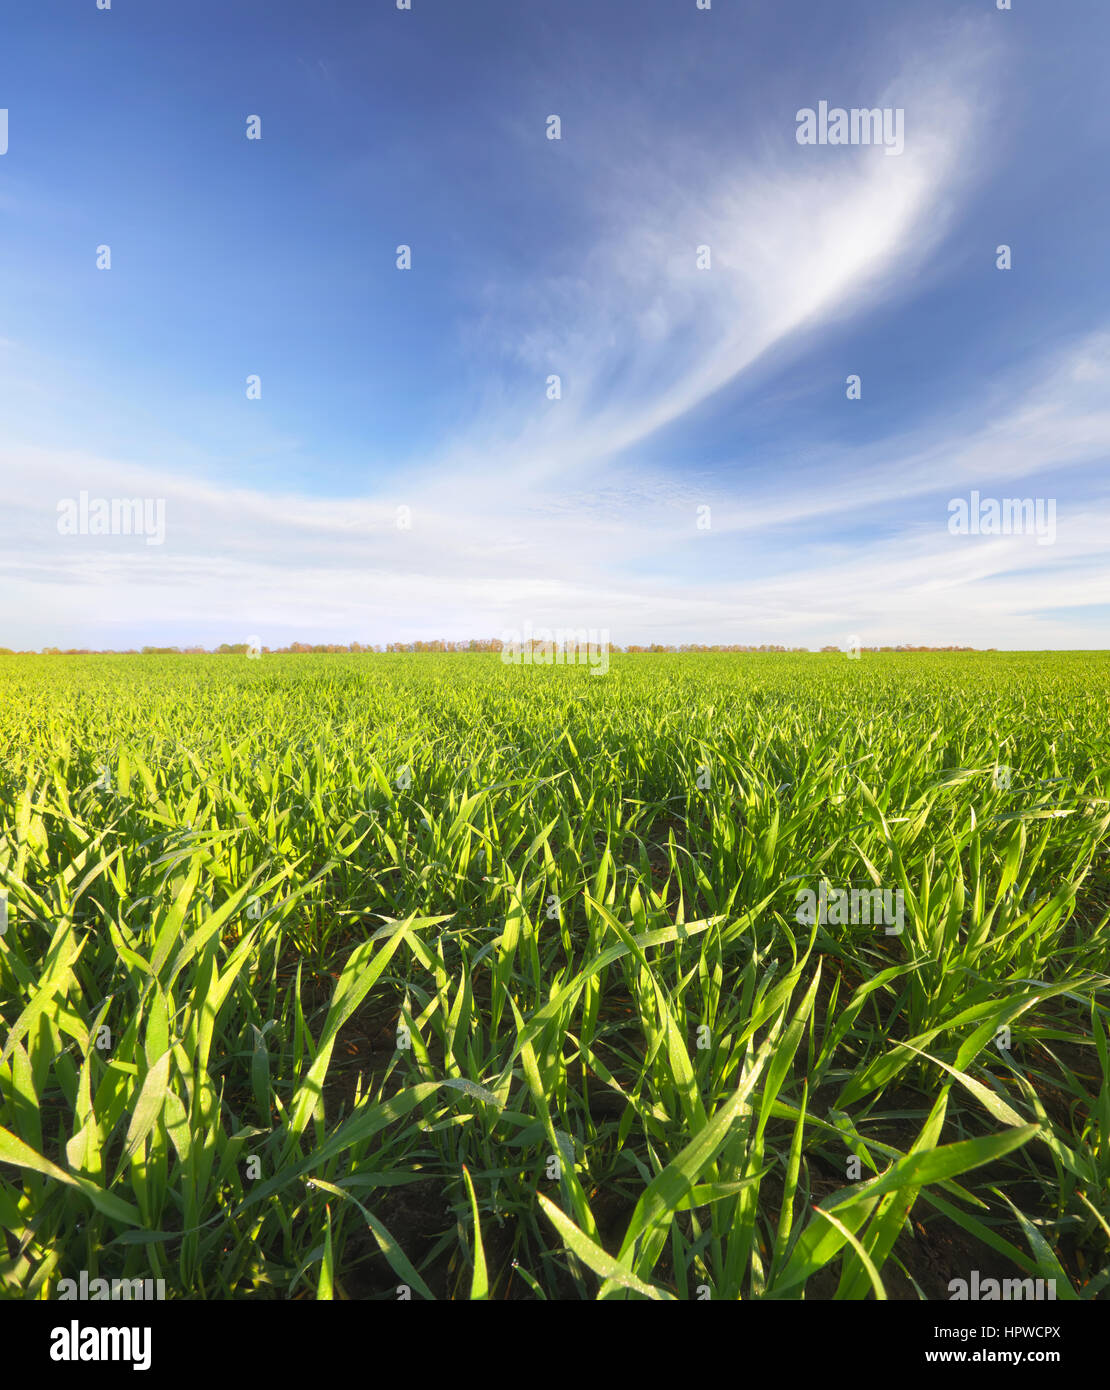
pixel 334 976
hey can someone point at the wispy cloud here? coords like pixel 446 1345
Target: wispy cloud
pixel 624 556
pixel 642 335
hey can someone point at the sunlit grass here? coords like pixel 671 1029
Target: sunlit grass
pixel 329 975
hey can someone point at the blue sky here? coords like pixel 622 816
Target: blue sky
pixel 683 389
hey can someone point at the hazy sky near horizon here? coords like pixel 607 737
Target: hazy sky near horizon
pixel 705 475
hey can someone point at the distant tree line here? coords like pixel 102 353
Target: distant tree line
pixel 475 644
